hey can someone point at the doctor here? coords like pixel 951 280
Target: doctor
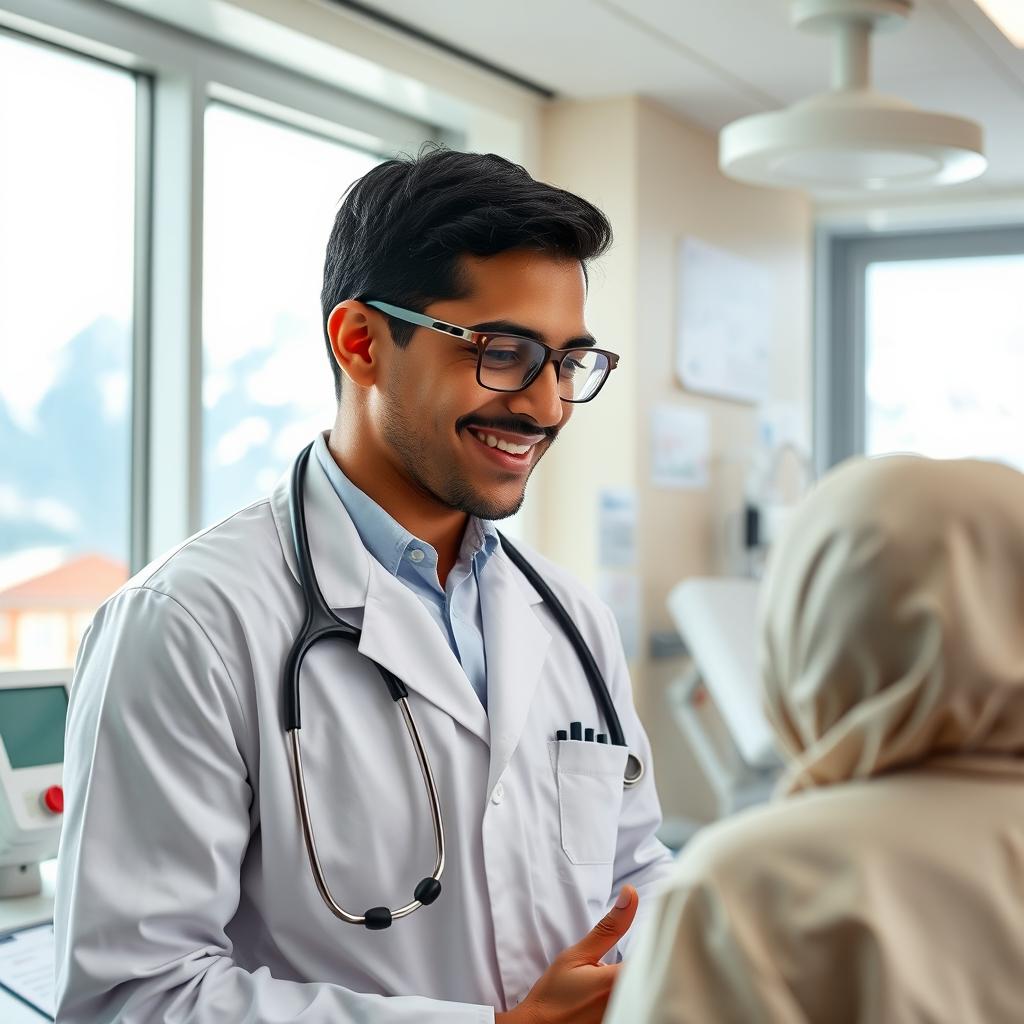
pixel 185 892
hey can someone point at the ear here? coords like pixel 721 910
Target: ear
pixel 354 342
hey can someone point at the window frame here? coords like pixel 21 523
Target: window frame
pixel 138 341
pixel 842 259
pixel 178 74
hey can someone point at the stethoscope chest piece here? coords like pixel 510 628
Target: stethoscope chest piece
pixel 321 623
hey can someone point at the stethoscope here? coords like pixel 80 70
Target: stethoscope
pixel 322 624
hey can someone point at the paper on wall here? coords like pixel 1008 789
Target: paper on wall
pixel 680 447
pixel 616 528
pixel 621 592
pixel 724 323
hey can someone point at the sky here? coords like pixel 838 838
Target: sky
pixel 945 357
pixel 66 211
pixel 270 197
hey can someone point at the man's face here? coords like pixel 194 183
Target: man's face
pixel 434 416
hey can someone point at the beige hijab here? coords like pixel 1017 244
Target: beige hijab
pixel 890 889
pixel 893 621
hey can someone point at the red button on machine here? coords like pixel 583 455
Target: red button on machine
pixel 53 800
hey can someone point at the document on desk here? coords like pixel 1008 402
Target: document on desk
pixel 27 974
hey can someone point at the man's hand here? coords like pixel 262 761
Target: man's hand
pixel 575 988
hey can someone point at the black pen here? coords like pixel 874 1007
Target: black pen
pixel 588 735
pixel 575 730
pixel 561 735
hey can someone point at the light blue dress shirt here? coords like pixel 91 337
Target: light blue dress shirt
pixel 456 606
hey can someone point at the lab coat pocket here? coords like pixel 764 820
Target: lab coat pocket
pixel 589 798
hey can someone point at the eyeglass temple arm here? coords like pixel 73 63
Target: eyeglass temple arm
pixel 422 320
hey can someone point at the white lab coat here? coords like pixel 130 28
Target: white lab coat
pixel 184 891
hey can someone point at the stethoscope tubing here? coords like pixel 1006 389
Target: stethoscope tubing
pixel 320 623
pixel 598 687
pixel 309 837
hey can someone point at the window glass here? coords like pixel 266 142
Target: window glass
pixel 944 343
pixel 270 196
pixel 67 164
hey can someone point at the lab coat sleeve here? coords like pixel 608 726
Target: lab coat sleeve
pixel 157 823
pixel 641 859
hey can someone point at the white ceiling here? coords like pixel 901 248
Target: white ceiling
pixel 716 60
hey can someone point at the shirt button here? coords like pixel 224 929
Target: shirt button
pixel 416 555
pixel 498 794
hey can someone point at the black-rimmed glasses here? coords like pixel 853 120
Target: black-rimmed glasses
pixel 509 362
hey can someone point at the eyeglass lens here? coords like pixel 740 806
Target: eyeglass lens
pixel 510 364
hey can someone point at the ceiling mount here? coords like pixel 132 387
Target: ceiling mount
pixel 852 138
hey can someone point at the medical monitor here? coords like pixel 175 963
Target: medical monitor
pixel 33 714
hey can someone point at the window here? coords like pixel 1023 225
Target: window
pixel 270 197
pixel 67 134
pixel 103 397
pixel 921 348
pixel 944 350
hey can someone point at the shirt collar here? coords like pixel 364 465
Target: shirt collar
pixel 479 541
pixel 383 536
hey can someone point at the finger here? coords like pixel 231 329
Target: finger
pixel 608 930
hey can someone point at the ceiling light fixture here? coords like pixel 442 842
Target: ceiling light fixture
pixel 852 138
pixel 1007 16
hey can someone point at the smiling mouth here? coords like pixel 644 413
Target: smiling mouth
pixel 505 452
pixel 502 443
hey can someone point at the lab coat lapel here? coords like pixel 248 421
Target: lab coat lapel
pixel 397 631
pixel 399 634
pixel 517 645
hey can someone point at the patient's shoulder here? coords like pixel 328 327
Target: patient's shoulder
pixel 859 829
pixel 805 836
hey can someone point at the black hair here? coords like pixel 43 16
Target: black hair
pixel 403 226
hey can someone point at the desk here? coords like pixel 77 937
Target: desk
pixel 23 912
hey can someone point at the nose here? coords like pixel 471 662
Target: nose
pixel 540 401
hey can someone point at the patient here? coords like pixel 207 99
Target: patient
pixel 886 885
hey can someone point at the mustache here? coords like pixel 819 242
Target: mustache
pixel 508 424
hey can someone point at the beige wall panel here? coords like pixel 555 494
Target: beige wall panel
pixel 682 192
pixel 591 149
pixel 657 178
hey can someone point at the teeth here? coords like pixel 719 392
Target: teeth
pixel 513 449
pixel 506 446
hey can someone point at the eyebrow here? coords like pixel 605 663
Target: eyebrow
pixel 509 327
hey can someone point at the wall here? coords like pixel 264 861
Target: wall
pixel 590 148
pixel 657 177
